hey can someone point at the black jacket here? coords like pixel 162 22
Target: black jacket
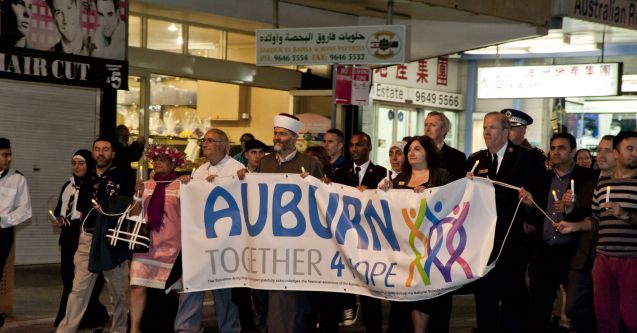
pixel 585 180
pixel 454 161
pixel 522 168
pixel 373 175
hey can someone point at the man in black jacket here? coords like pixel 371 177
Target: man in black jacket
pixel 362 174
pixel 501 295
pixel 553 251
pixel 437 126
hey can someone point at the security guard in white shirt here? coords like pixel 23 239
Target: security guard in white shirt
pixel 15 203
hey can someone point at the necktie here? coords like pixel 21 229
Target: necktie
pixel 493 168
pixel 358 175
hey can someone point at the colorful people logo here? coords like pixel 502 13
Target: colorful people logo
pixel 430 250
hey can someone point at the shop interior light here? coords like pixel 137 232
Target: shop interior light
pixel 565 48
pixel 494 50
pixel 172 27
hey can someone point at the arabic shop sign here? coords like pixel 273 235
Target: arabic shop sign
pixel 599 79
pixel 383 44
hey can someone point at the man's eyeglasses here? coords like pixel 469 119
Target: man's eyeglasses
pixel 211 140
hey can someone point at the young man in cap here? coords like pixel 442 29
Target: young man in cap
pixel 254 152
pixel 15 203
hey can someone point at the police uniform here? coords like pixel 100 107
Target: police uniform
pixel 15 208
pixel 518 118
pixel 505 283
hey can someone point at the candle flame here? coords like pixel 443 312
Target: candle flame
pixel 302 169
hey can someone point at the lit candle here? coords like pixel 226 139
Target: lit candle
pixel 388 175
pixel 94 202
pixel 302 169
pixel 555 195
pixel 607 193
pixel 572 190
pixel 475 165
pixel 52 216
pixel 192 173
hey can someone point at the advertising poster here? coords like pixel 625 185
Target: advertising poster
pixel 73 42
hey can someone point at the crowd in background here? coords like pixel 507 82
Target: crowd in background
pixel 582 244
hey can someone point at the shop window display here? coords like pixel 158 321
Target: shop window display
pixel 589 128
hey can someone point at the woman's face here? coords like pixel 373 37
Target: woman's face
pixel 162 165
pixel 396 158
pixel 416 155
pixel 22 11
pixel 78 167
pixel 584 159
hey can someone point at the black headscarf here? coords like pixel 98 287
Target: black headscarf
pixel 86 182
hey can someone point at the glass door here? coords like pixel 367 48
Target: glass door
pixel 394 123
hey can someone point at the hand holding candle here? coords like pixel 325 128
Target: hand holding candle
pixel 475 165
pixel 302 169
pixel 555 195
pixel 572 190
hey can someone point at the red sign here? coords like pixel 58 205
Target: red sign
pixel 343 84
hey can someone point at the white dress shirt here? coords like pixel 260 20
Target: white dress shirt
pixel 15 202
pixel 227 167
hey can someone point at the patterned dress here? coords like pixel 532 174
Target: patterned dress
pixel 151 269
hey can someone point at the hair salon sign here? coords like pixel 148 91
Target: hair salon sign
pixel 73 42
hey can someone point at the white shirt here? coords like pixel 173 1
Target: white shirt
pixel 15 202
pixel 70 190
pixel 227 167
pixel 500 154
pixel 361 173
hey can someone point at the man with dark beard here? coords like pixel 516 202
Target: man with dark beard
pixel 113 191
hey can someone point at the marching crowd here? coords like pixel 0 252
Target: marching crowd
pixel 582 239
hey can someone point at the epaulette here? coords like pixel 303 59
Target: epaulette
pixel 476 153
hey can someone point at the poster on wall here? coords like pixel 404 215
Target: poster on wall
pixel 72 42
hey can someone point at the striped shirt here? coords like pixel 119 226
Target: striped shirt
pixel 616 237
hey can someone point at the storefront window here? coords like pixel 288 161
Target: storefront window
pixel 134 31
pixel 589 119
pixel 205 42
pixel 241 48
pixel 165 36
pixel 128 106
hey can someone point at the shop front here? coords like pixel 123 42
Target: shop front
pixel 401 97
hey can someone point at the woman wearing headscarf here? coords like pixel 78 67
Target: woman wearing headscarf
pixel 160 203
pixel 73 204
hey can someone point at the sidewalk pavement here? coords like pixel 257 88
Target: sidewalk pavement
pixel 38 288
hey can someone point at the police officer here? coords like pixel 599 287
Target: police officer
pixel 517 135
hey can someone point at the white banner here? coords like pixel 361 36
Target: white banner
pixel 278 231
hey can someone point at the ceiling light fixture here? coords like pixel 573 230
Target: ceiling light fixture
pixel 172 27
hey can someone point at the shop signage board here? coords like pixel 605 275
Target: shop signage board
pixel 361 82
pixel 629 83
pixel 438 99
pixel 78 42
pixel 438 74
pixel 619 13
pixel 424 97
pixel 379 44
pixel 569 80
pixel 343 84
